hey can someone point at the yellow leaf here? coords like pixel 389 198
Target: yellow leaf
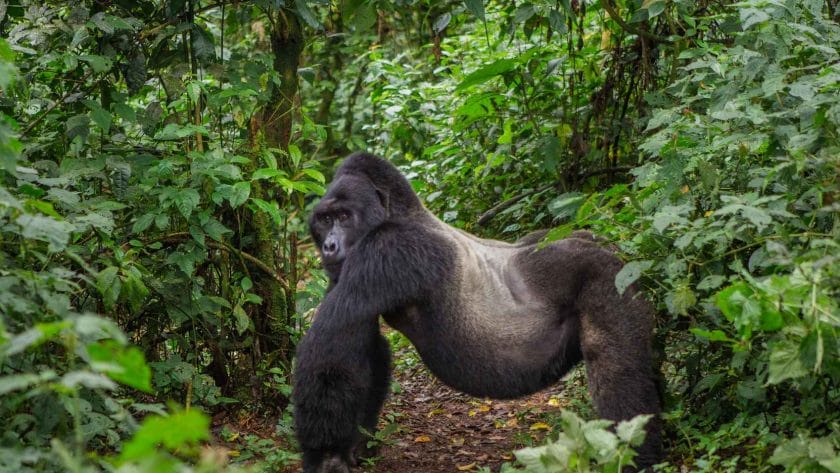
pixel 554 402
pixel 484 408
pixel 434 412
pixel 507 457
pixel 234 453
pixel 471 413
pixel 684 189
pixel 466 467
pixel 422 439
pixel 708 213
pixel 512 422
pixel 540 426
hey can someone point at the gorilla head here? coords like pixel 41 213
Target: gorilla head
pixel 487 317
pixel 351 208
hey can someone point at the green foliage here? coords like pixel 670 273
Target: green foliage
pixel 586 446
pixel 148 211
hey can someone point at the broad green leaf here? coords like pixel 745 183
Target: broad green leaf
pixel 55 232
pixel 631 272
pixel 99 64
pixel 633 431
pixel 476 7
pixel 711 335
pixel 239 194
pixel 78 125
pixel 17 382
pixel 126 365
pixel 307 14
pixel 142 223
pixel 441 22
pixel 202 45
pixel 785 362
pixel 180 430
pixel 242 319
pixel 486 73
pixel 109 284
pixel 186 201
pixel 87 379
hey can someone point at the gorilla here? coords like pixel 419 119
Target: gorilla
pixel 488 318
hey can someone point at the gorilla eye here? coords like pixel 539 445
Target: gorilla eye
pixel 342 216
pixel 325 218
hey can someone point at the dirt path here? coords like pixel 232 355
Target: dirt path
pixel 441 430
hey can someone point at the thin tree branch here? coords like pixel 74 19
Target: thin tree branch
pixel 180 236
pixel 611 11
pixel 488 215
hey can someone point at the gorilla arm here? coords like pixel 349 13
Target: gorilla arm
pixel 339 360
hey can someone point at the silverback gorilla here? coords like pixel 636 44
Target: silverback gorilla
pixel 488 318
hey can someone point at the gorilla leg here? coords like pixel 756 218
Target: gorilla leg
pixel 380 357
pixel 616 345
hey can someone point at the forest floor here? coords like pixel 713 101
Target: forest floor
pixel 425 426
pixel 430 428
pixel 442 430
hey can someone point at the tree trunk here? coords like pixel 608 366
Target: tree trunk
pixel 274 123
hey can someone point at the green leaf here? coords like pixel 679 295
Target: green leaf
pixel 243 322
pixel 36 227
pixel 681 299
pixel 126 365
pixel 186 201
pixel 78 125
pixel 109 285
pixel 441 22
pixel 202 44
pixel 99 64
pixel 476 7
pixel 630 273
pixel 307 14
pixel 785 362
pixel 87 379
pixel 486 73
pixel 214 229
pixel 633 431
pixel 711 335
pixel 239 194
pixel 653 7
pixel 17 382
pixel 142 223
pixel 180 430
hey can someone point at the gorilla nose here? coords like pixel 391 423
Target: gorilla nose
pixel 329 249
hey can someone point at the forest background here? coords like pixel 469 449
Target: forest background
pixel 158 160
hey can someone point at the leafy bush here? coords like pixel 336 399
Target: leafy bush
pixel 586 446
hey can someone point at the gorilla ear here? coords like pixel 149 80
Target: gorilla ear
pixel 384 200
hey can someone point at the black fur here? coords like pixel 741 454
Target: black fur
pixel 488 318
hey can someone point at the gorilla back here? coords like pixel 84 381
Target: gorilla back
pixel 488 318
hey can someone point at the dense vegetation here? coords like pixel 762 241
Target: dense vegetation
pixel 158 157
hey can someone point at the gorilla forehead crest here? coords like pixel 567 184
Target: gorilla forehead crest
pixel 488 318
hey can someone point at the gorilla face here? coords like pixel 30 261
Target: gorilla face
pixel 349 211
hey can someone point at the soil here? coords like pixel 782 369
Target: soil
pixel 429 427
pixel 442 430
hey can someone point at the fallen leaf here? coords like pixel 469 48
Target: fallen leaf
pixel 554 402
pixel 512 422
pixel 466 467
pixel 422 439
pixel 484 408
pixel 458 441
pixel 435 412
pixel 540 426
